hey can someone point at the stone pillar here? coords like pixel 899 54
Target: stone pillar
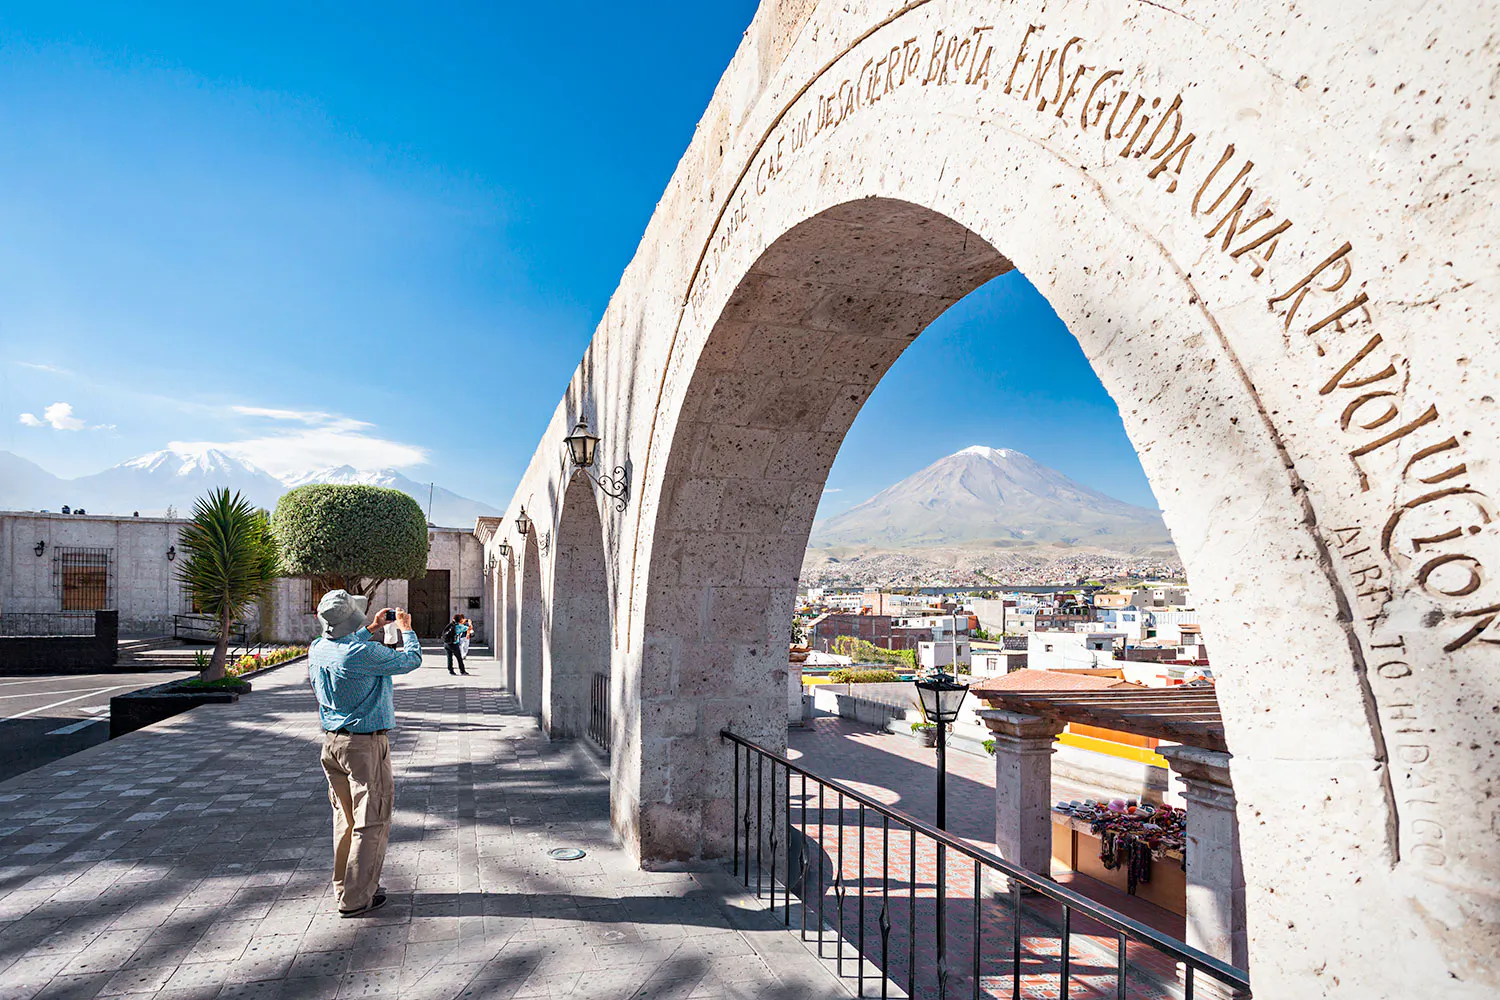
pixel 1023 786
pixel 1215 879
pixel 794 713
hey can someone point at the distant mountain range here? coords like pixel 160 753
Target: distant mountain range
pixel 152 483
pixel 992 498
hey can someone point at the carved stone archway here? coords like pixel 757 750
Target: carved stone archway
pixel 531 631
pixel 1260 223
pixel 579 646
pixel 510 621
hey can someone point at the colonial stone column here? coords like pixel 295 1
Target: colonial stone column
pixel 1215 879
pixel 1023 786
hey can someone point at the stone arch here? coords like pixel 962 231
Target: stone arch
pixel 1276 285
pixel 509 622
pixel 579 627
pixel 531 630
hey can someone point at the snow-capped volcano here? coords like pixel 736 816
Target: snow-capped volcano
pixel 442 506
pixel 992 496
pixel 211 462
pixel 169 478
pixel 346 474
pixel 173 478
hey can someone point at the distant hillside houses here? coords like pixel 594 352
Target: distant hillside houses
pixel 1148 632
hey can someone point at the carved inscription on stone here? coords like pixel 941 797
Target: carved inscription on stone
pixel 1328 307
pixel 1422 541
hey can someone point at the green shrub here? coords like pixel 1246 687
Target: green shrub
pixel 355 537
pixel 865 651
pixel 923 727
pixel 989 747
pixel 846 676
pixel 220 684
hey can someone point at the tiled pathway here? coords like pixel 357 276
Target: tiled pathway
pixel 190 860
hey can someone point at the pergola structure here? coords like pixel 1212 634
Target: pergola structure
pixel 1025 724
pixel 1187 715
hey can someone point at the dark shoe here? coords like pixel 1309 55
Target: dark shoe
pixel 374 904
pixel 464 672
pixel 450 671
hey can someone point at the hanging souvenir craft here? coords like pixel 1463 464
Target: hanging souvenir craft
pixel 1132 835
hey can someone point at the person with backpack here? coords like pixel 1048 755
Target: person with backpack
pixel 451 636
pixel 465 634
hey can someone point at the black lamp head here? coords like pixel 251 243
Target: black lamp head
pixel 582 445
pixel 941 697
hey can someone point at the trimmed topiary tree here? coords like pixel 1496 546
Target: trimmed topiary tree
pixel 354 537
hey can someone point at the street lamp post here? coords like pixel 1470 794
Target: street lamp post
pixel 941 696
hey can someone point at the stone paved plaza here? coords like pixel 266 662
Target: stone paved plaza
pixel 190 860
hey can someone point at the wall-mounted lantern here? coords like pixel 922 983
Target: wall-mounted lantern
pixel 171 552
pixel 582 445
pixel 582 449
pixel 39 548
pixel 523 523
pixel 503 549
pixel 489 567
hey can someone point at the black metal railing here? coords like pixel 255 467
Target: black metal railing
pixel 599 711
pixel 249 645
pixel 47 623
pixel 204 628
pixel 1037 933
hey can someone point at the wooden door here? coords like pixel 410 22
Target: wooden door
pixel 427 600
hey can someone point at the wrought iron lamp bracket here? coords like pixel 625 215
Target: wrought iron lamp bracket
pixel 616 487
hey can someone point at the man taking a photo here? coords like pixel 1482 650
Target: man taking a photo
pixel 351 674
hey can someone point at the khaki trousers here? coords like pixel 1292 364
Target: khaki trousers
pixel 362 793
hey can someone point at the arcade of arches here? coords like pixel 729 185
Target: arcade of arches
pixel 1261 224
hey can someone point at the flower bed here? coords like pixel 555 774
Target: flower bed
pixel 251 663
pixel 137 709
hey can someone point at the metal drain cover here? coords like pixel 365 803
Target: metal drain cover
pixel 565 854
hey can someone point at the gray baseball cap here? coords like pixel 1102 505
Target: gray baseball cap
pixel 341 613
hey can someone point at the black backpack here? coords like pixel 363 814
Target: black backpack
pixel 450 634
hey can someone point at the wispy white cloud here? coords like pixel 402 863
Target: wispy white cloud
pixel 44 368
pixel 58 416
pixel 835 489
pixel 311 417
pixel 327 440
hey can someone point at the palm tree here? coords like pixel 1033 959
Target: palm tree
pixel 230 563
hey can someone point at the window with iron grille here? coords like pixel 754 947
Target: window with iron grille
pixel 82 578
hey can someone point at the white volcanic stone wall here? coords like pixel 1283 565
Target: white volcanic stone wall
pixel 1271 228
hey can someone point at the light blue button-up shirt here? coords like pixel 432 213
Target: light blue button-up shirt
pixel 351 676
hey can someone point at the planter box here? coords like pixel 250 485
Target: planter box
pixel 138 709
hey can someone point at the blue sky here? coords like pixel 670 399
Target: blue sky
pixel 383 234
